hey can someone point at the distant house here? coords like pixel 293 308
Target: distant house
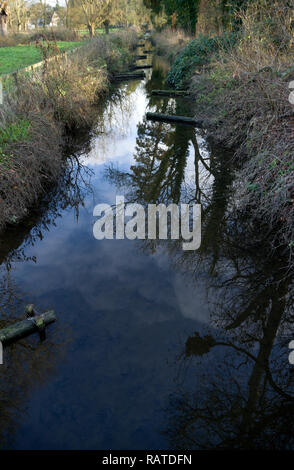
pixel 55 21
pixel 30 26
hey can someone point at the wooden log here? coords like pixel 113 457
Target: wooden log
pixel 142 67
pixel 174 119
pixel 171 93
pixel 26 327
pixel 129 76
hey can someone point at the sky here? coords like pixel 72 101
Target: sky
pixel 53 2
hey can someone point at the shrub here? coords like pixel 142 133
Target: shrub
pixel 55 35
pixel 197 53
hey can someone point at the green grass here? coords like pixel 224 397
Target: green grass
pixel 18 57
pixel 85 32
pixel 14 132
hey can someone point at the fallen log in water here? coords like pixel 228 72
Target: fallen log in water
pixel 171 93
pixel 141 67
pixel 26 327
pixel 129 76
pixel 174 119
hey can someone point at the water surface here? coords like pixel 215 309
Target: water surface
pixel 123 368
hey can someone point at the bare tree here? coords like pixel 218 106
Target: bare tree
pixel 98 13
pixel 3 19
pixel 19 13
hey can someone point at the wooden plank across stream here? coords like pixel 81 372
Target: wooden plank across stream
pixel 174 119
pixel 129 76
pixel 26 327
pixel 141 67
pixel 171 93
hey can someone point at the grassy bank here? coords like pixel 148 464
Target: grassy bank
pixel 44 105
pixel 13 58
pixel 240 87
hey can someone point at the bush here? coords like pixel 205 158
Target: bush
pixel 30 155
pixel 197 53
pixel 55 35
pixel 46 35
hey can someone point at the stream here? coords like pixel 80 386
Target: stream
pixel 154 347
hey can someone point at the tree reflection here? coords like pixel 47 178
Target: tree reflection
pixel 69 192
pixel 161 158
pixel 244 397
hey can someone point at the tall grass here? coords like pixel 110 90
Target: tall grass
pixel 254 114
pixel 41 108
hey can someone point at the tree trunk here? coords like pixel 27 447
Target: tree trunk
pixel 176 119
pixel 174 22
pixel 91 28
pixel 67 14
pixel 3 25
pixel 26 327
pixel 106 26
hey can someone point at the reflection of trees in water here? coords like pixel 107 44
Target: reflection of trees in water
pixel 29 362
pixel 244 397
pixel 114 121
pixel 122 102
pixel 173 164
pixel 161 158
pixel 69 192
pixel 162 154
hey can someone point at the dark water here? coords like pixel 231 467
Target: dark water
pixel 154 347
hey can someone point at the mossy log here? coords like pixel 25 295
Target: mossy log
pixel 129 76
pixel 171 93
pixel 26 327
pixel 174 119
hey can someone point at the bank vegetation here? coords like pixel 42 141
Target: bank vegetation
pixel 43 107
pixel 239 79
